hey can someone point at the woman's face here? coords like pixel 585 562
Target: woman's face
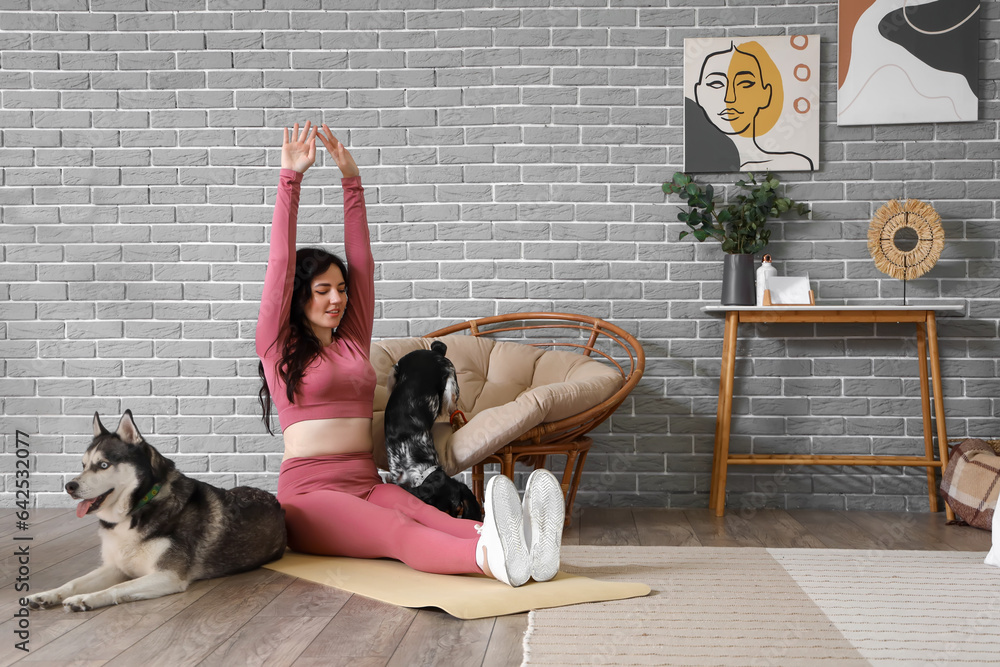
pixel 731 91
pixel 328 301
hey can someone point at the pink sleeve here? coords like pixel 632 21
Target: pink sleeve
pixel 275 302
pixel 360 316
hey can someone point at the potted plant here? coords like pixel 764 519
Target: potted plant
pixel 741 226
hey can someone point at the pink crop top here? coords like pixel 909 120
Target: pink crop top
pixel 340 382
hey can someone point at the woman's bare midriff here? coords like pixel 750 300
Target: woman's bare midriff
pixel 320 437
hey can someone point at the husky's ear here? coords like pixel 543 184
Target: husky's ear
pixel 439 347
pixel 98 426
pixel 391 382
pixel 127 430
pixel 159 465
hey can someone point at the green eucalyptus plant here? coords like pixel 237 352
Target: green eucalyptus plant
pixel 740 226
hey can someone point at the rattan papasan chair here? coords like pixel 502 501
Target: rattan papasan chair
pixel 531 385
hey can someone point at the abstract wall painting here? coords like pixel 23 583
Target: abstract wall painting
pixel 908 61
pixel 751 104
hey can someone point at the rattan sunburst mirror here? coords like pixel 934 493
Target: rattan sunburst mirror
pixel 905 239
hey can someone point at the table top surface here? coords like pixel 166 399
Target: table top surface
pixel 937 307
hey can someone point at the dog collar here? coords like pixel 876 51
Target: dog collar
pixel 149 496
pixel 418 479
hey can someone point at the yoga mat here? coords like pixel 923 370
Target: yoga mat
pixel 464 596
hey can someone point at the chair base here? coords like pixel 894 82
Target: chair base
pixel 535 455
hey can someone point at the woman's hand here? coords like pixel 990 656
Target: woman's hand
pixel 339 152
pixel 299 153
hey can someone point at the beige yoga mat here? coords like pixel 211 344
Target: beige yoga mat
pixel 464 596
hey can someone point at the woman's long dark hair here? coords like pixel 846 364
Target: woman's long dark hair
pixel 299 345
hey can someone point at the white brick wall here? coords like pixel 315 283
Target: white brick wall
pixel 513 153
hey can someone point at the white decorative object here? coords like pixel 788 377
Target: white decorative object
pixel 787 290
pixel 765 272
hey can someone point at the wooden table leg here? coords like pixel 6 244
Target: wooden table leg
pixel 717 497
pixel 478 482
pixel 720 409
pixel 939 417
pixel 925 405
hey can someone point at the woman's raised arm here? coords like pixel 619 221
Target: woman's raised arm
pixel 360 316
pixel 297 156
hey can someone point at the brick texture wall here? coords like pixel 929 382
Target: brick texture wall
pixel 513 153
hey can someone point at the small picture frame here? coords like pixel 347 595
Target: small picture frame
pixel 788 291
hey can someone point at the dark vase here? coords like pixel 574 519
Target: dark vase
pixel 738 287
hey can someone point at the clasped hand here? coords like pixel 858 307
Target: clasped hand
pixel 299 153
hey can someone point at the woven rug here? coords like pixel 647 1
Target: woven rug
pixel 746 606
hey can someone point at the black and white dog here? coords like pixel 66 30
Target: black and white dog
pixel 160 530
pixel 422 386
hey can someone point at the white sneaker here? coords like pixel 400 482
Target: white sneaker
pixel 502 533
pixel 543 513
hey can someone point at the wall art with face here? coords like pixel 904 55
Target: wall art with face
pixel 751 104
pixel 908 61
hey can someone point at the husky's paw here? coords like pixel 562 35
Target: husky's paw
pixel 42 600
pixel 77 603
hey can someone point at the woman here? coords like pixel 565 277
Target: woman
pixel 313 336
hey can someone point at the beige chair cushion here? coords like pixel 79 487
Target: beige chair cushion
pixel 505 389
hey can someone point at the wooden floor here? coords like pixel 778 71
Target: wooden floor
pixel 267 618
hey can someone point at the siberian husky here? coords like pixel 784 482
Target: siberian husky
pixel 160 530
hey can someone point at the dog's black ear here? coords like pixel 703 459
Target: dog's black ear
pixel 470 507
pixel 439 347
pixel 98 426
pixel 159 465
pixel 127 430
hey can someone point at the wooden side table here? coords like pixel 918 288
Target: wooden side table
pixel 924 319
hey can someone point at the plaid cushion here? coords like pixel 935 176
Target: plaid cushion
pixel 971 482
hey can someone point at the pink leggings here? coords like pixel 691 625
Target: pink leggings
pixel 337 505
